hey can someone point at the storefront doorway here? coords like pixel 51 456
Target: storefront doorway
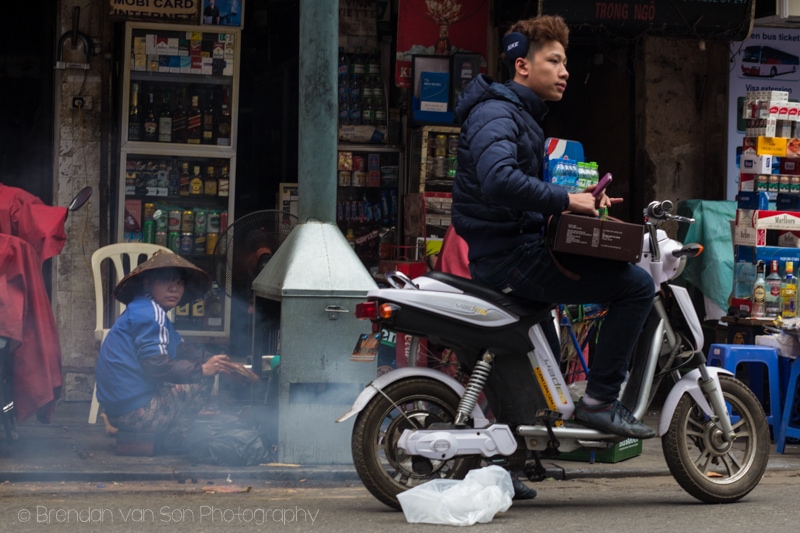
pixel 26 93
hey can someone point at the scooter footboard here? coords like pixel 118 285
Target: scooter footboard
pixel 688 384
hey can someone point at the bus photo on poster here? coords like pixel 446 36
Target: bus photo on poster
pixel 760 61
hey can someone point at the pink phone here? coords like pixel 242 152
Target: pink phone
pixel 604 182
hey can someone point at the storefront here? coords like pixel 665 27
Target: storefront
pixel 656 95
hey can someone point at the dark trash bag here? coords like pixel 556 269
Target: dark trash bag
pixel 224 441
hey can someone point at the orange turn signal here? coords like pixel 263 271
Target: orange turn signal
pixel 385 311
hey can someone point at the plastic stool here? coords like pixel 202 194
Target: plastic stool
pixel 729 356
pixel 788 427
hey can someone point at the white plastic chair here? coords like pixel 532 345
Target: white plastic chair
pixel 122 255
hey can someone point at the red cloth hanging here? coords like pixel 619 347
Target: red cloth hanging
pixel 27 319
pixel 27 217
pixel 30 233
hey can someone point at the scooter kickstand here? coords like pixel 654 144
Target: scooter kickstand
pixel 548 417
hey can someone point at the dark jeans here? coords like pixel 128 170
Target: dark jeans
pixel 530 272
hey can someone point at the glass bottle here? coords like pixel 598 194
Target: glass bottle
pixel 198 314
pixel 344 88
pixel 224 122
pixel 135 116
pixel 759 292
pixel 208 121
pixel 184 180
pixel 358 65
pixel 772 305
pixel 789 292
pixel 354 111
pixel 210 183
pixel 373 64
pixel 367 109
pixel 213 309
pixel 173 188
pixel 165 120
pixel 224 183
pixel 344 67
pixel 182 316
pixel 179 131
pixel 194 122
pixel 196 183
pixel 379 102
pixel 150 121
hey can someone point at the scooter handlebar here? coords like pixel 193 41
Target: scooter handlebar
pixel 662 211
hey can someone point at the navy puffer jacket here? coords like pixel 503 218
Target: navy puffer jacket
pixel 499 202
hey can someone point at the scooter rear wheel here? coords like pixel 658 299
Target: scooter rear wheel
pixel 385 469
pixel 707 467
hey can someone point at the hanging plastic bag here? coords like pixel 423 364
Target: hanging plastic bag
pixel 477 498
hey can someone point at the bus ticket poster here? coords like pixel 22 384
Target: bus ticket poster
pixel 769 60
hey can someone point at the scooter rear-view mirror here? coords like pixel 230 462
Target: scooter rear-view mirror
pixel 81 198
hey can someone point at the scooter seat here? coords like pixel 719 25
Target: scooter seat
pixel 519 306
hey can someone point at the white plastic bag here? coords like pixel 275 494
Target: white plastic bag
pixel 477 498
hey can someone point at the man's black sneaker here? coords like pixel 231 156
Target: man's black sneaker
pixel 521 490
pixel 612 418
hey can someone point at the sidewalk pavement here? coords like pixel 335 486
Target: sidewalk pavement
pixel 70 449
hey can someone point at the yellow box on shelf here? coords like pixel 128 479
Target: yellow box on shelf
pixel 775 146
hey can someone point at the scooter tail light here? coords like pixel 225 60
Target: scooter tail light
pixel 367 311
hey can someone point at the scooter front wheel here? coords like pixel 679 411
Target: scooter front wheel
pixel 385 469
pixel 704 464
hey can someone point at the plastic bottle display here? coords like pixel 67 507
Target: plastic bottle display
pixel 573 175
pixel 361 94
pixel 789 292
pixel 772 304
pixel 759 292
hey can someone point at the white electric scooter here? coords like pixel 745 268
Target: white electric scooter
pixel 415 424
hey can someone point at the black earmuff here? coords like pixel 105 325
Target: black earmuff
pixel 515 45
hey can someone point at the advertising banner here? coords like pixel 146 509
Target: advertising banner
pixel 768 61
pixel 439 27
pixel 184 11
pixel 709 19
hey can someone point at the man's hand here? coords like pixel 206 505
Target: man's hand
pixel 218 364
pixel 586 204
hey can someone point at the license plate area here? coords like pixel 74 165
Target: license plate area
pixel 366 349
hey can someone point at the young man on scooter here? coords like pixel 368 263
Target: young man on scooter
pixel 501 206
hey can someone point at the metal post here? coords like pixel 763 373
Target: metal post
pixel 319 37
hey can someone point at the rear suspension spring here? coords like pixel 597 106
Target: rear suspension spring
pixel 474 388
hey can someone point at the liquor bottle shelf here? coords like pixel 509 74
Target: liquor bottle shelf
pixel 173 78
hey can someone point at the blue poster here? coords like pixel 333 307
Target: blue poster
pixel 222 12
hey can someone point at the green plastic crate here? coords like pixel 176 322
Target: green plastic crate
pixel 622 450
